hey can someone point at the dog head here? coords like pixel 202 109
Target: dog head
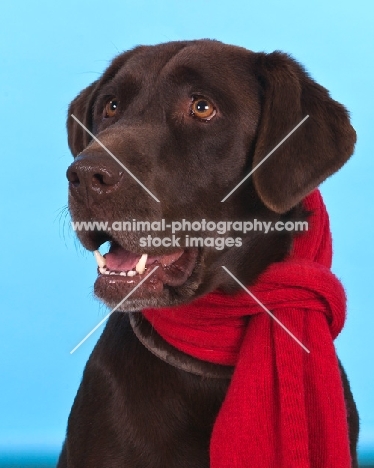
pixel 166 133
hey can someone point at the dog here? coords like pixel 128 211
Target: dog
pixel 184 123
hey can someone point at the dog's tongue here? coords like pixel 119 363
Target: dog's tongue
pixel 119 259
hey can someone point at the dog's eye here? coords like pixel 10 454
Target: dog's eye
pixel 202 108
pixel 111 108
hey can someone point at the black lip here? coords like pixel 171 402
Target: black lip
pixel 92 240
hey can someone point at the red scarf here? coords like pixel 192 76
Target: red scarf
pixel 284 407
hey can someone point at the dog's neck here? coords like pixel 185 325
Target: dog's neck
pixel 148 336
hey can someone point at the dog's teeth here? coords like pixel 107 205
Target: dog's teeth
pixel 123 273
pixel 131 273
pixel 99 258
pixel 140 266
pixel 102 270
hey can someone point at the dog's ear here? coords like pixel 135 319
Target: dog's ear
pixel 82 106
pixel 317 149
pixel 78 138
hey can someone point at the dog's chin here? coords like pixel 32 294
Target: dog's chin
pixel 164 280
pixel 138 304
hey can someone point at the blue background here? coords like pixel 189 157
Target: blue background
pixel 49 51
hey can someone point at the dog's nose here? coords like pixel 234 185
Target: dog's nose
pixel 93 176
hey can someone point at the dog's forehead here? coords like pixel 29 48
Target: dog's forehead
pixel 211 59
pixel 148 60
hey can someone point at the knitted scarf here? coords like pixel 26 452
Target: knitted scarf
pixel 284 407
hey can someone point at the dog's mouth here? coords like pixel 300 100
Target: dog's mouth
pixel 145 276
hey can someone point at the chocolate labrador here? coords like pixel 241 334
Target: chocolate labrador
pixel 178 126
